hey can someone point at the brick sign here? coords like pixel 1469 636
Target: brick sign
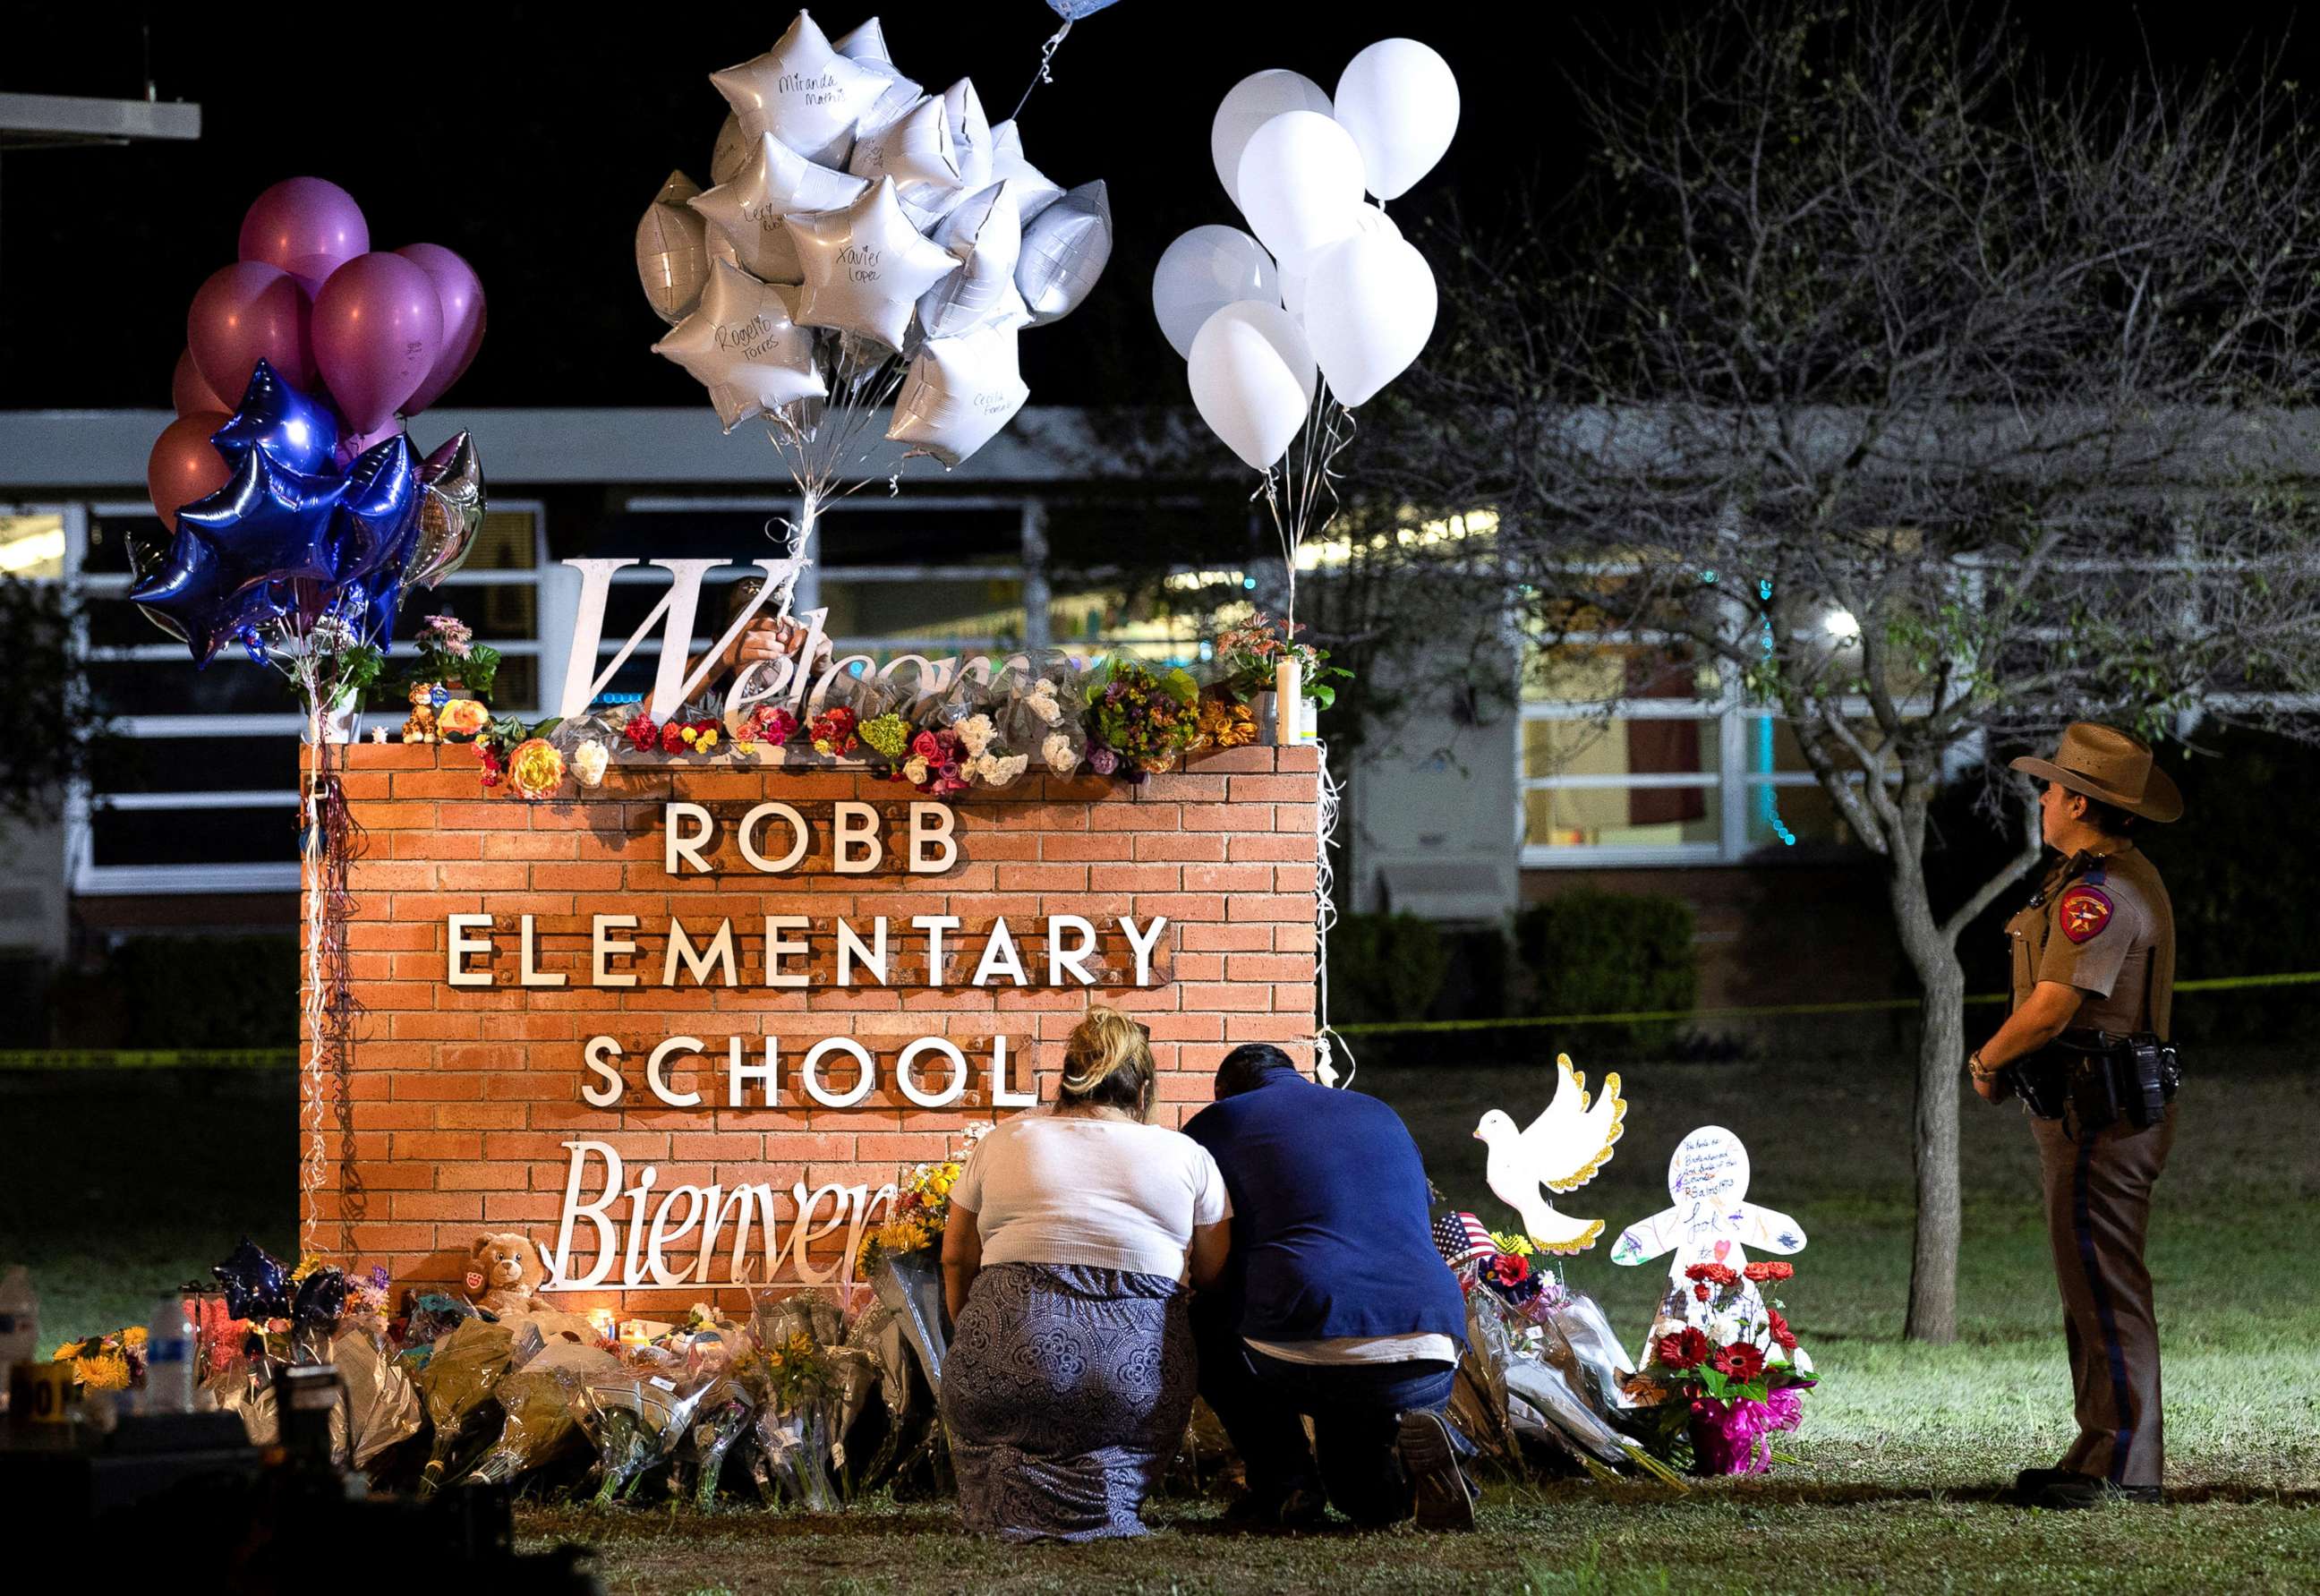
pixel 683 1030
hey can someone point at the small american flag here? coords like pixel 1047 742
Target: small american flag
pixel 1462 1238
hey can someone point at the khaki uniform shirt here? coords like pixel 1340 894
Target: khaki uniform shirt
pixel 2110 932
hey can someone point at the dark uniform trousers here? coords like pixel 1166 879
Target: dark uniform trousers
pixel 2098 1207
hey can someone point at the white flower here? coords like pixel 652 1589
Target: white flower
pixel 976 732
pixel 1042 700
pixel 588 762
pixel 915 771
pixel 1061 753
pixel 1004 771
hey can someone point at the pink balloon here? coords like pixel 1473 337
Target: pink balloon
pixel 243 311
pixel 188 392
pixel 306 226
pixel 183 467
pixel 378 327
pixel 461 295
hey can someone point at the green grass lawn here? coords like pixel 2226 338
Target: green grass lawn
pixel 1901 1450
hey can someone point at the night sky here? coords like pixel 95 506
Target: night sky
pixel 529 138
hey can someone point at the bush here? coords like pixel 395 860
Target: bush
pixel 1385 968
pixel 1592 952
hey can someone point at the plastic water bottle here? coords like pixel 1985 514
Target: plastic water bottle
pixel 20 1324
pixel 170 1358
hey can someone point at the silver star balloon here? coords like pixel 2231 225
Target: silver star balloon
pixel 865 47
pixel 970 134
pixel 1034 190
pixel 866 267
pixel 961 390
pixel 672 250
pixel 914 148
pixel 802 92
pixel 451 511
pixel 777 182
pixel 744 345
pixel 985 235
pixel 1064 253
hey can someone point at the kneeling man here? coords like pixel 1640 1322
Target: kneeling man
pixel 1334 1304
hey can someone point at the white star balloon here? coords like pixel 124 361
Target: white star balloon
pixel 970 134
pixel 744 345
pixel 865 47
pixel 802 92
pixel 986 236
pixel 913 148
pixel 866 267
pixel 1034 191
pixel 777 182
pixel 961 390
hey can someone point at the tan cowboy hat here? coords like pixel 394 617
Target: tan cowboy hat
pixel 2107 765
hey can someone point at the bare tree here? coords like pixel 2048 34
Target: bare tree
pixel 1940 401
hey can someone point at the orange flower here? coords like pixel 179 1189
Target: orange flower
pixel 535 769
pixel 462 717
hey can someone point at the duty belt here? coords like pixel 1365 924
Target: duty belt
pixel 2096 1078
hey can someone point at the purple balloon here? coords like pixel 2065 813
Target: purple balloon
pixel 188 393
pixel 246 313
pixel 461 295
pixel 378 327
pixel 306 226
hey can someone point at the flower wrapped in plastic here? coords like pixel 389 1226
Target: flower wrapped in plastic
pixel 791 1364
pixel 541 1422
pixel 634 1417
pixel 1143 719
pixel 382 1408
pixel 457 1385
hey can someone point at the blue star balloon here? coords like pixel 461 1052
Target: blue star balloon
pixel 269 523
pixel 378 518
pixel 191 594
pixel 292 430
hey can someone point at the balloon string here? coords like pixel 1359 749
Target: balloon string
pixel 1045 73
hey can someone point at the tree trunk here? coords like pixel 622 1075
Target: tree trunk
pixel 1933 1140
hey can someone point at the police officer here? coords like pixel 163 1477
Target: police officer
pixel 2094 978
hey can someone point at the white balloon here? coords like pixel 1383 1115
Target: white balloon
pixel 913 148
pixel 1368 219
pixel 734 148
pixel 673 251
pixel 802 92
pixel 1300 183
pixel 1034 191
pixel 1253 381
pixel 866 267
pixel 1065 251
pixel 775 182
pixel 745 346
pixel 1203 271
pixel 1400 101
pixel 1369 309
pixel 987 236
pixel 1248 106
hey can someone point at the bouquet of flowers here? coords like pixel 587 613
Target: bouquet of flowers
pixel 450 657
pixel 460 1375
pixel 1249 657
pixel 1138 721
pixel 765 726
pixel 1038 705
pixel 1724 1389
pixel 935 763
pixel 920 1209
pixel 836 732
pixel 633 1415
pixel 536 1398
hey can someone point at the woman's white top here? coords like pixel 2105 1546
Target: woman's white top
pixel 1107 1193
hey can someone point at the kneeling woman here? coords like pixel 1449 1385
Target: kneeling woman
pixel 1073 1232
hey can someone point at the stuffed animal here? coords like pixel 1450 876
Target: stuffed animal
pixel 421 726
pixel 503 1273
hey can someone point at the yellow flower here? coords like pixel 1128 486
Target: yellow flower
pixel 708 740
pixel 744 747
pixel 690 736
pixel 134 1336
pixel 535 769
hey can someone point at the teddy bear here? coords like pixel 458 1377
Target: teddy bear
pixel 421 726
pixel 504 1272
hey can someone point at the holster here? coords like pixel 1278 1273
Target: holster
pixel 2097 1078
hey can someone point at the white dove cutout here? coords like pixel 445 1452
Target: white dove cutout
pixel 1712 1220
pixel 1560 1151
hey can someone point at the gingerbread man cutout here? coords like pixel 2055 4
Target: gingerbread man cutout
pixel 1711 1222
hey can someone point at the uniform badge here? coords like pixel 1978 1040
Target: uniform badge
pixel 2083 912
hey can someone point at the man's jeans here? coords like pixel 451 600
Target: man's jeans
pixel 1356 1408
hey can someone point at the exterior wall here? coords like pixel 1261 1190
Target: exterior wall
pixel 462 1098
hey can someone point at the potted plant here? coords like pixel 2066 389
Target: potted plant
pixel 450 658
pixel 1255 659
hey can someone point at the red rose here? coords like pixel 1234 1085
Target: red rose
pixel 671 738
pixel 1683 1349
pixel 1785 1337
pixel 1770 1270
pixel 642 732
pixel 1702 1292
pixel 1714 1274
pixel 1509 1269
pixel 1740 1361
